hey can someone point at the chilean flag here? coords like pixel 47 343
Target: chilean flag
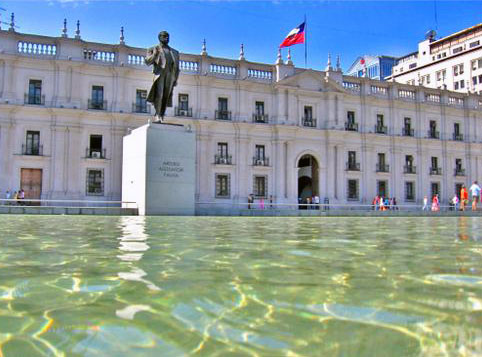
pixel 297 35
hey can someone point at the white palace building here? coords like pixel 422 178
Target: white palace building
pixel 261 129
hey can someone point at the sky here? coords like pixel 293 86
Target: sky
pixel 346 28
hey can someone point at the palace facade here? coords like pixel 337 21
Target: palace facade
pixel 267 130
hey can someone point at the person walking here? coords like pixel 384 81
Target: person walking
pixel 475 192
pixel 435 203
pixel 261 203
pixel 455 202
pixel 250 200
pixel 317 202
pixel 425 203
pixel 8 196
pixel 464 198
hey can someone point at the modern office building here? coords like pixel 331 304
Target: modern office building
pixel 453 62
pixel 374 67
pixel 262 129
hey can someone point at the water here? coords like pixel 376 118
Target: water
pixel 203 286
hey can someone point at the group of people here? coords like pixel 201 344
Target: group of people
pixel 459 201
pixel 16 196
pixel 312 202
pixel 381 203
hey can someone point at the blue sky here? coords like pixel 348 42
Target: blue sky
pixel 347 28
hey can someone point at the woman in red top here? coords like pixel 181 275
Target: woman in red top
pixel 464 197
pixel 435 203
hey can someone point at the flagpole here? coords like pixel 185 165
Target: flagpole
pixel 306 43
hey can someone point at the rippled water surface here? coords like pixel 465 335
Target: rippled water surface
pixel 202 286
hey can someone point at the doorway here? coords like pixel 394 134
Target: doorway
pixel 308 181
pixel 31 183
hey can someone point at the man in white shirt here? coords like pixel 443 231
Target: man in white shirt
pixel 475 192
pixel 425 203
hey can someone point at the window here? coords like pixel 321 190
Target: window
pixel 456 129
pixel 184 102
pixel 95 182
pixel 259 151
pixel 435 188
pixel 457 50
pixel 352 190
pixel 474 80
pixel 95 146
pixel 222 186
pixel 379 120
pixel 479 62
pixel 462 84
pixel 308 112
pixel 409 160
pixel 32 144
pixel 141 101
pixel 433 130
pixel 350 117
pixel 456 85
pixel 458 69
pixel 259 108
pixel 434 161
pixel 97 100
pixel 480 78
pixel 223 149
pixel 260 186
pixel 458 165
pixel 351 158
pixel 222 104
pixel 382 188
pixel 474 44
pixel 222 112
pixel 407 127
pixel 381 159
pixel 35 92
pixel 409 191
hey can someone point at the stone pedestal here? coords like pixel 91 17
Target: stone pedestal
pixel 158 169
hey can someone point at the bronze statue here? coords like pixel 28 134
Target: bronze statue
pixel 165 61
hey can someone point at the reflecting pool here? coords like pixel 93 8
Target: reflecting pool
pixel 208 286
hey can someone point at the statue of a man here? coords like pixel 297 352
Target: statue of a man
pixel 165 61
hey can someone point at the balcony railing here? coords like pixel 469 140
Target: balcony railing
pixel 223 160
pixel 433 134
pixel 435 171
pixel 97 104
pixel 35 150
pixel 383 168
pixel 408 132
pixel 380 129
pixel 182 112
pixel 409 169
pixel 459 172
pixel 349 126
pixel 141 108
pixel 260 161
pixel 260 118
pixel 352 166
pixel 222 114
pixel 34 99
pixel 458 137
pixel 309 122
pixel 95 153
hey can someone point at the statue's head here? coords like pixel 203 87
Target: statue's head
pixel 163 37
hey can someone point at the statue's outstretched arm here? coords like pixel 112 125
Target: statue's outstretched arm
pixel 151 55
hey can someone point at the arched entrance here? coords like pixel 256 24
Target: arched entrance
pixel 308 180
